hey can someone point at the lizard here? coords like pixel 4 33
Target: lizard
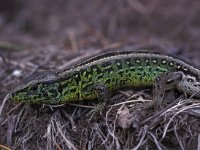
pixel 106 73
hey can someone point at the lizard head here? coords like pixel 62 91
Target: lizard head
pixel 190 85
pixel 38 88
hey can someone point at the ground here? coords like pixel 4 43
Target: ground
pixel 47 35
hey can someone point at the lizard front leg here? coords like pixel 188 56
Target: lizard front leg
pixel 102 94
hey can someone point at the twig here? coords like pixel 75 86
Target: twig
pixel 79 105
pixel 69 144
pixel 73 40
pixel 137 6
pixel 4 147
pixel 156 141
pixel 145 129
pixel 3 104
pixel 172 118
pixel 131 101
pixel 12 109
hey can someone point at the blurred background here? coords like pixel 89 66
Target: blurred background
pixel 99 23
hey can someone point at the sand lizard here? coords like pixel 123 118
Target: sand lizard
pixel 107 73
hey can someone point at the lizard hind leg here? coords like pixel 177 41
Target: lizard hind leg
pixel 190 86
pixel 163 84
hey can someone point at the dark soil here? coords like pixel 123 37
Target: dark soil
pixel 48 34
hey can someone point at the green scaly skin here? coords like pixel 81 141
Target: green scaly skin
pixel 113 70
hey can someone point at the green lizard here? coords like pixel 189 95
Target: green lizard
pixel 107 73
